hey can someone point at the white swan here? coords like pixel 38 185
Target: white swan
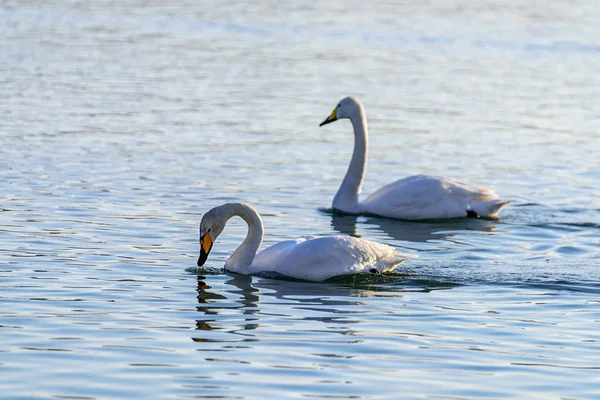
pixel 415 197
pixel 310 257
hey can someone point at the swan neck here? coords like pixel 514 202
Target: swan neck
pixel 242 257
pixel 346 199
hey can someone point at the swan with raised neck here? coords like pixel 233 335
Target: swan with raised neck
pixel 346 198
pixel 412 198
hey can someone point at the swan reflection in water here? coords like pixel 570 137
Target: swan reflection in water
pixel 410 231
pixel 243 293
pixel 211 303
pixel 243 303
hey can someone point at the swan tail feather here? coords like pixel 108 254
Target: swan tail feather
pixel 390 263
pixel 488 209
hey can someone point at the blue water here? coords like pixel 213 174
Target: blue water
pixel 123 122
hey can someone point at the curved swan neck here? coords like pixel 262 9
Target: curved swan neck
pixel 242 257
pixel 346 199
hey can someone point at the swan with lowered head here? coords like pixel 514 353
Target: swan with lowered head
pixel 310 258
pixel 412 198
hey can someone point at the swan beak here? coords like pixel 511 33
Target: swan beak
pixel 331 118
pixel 206 244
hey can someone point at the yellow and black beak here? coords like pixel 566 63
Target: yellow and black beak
pixel 206 244
pixel 331 118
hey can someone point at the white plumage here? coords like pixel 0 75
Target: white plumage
pixel 412 198
pixel 430 197
pixel 314 258
pixel 319 258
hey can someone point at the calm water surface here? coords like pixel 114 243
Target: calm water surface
pixel 122 122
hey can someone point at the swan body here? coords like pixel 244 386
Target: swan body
pixel 313 258
pixel 432 197
pixel 412 198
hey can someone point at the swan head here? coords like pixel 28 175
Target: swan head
pixel 211 226
pixel 347 108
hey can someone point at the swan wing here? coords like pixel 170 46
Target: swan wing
pixel 272 255
pixel 430 197
pixel 320 258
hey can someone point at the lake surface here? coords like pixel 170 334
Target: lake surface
pixel 122 122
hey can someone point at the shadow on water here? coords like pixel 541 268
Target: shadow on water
pixel 410 231
pixel 247 290
pixel 230 306
pixel 344 285
pixel 236 309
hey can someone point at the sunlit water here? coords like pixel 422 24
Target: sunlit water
pixel 123 122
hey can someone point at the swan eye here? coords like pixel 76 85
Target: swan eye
pixel 205 233
pixel 339 105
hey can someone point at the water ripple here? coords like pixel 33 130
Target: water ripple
pixel 123 123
